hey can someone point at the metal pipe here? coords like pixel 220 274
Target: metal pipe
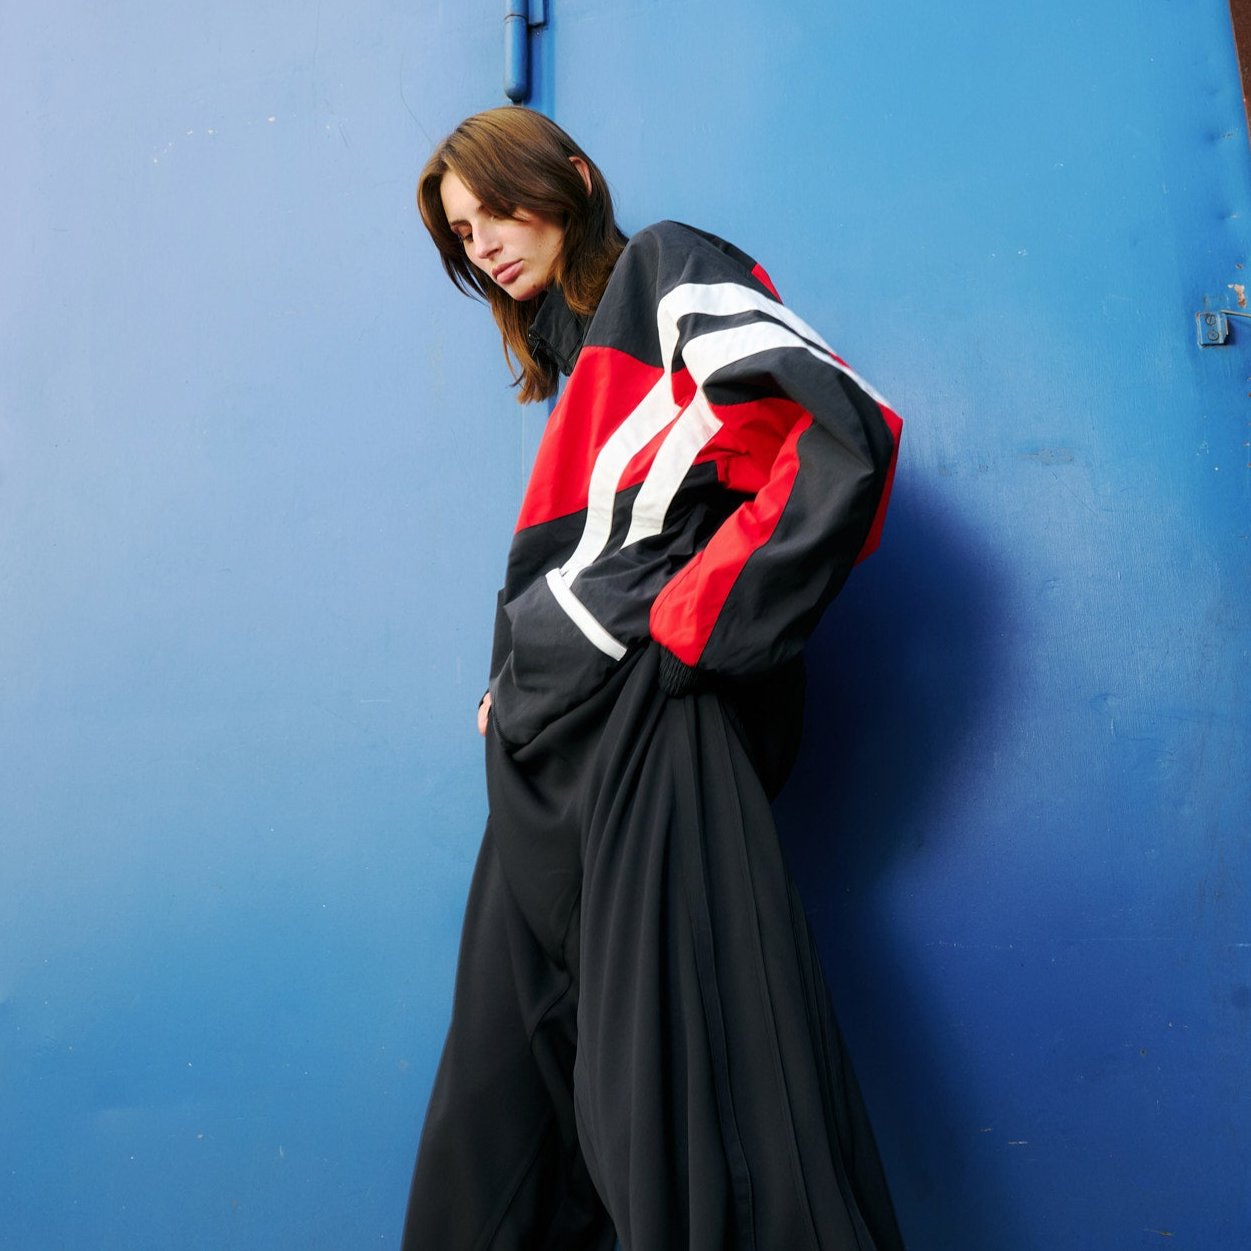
pixel 517 50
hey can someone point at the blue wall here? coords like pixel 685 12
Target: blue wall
pixel 257 473
pixel 245 606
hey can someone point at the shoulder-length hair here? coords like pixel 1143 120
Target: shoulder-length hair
pixel 514 158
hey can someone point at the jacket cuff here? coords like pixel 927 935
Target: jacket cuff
pixel 675 676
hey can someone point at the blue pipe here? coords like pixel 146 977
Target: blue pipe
pixel 517 50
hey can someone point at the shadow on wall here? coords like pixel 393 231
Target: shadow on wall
pixel 899 678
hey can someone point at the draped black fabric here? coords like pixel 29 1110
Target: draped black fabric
pixel 642 1046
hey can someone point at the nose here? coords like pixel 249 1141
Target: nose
pixel 485 240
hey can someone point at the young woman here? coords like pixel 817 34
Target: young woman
pixel 641 1045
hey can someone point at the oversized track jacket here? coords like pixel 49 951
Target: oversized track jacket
pixel 707 480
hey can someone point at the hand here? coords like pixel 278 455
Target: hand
pixel 484 712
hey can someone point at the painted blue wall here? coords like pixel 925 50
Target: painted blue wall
pixel 245 606
pixel 257 472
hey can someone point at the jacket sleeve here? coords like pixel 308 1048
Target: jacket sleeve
pixel 749 599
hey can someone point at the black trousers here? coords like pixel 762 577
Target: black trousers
pixel 641 1045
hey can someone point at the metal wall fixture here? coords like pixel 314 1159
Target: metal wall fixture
pixel 520 17
pixel 1212 325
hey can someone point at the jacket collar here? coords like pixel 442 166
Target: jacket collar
pixel 557 331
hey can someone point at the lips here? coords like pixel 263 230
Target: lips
pixel 504 274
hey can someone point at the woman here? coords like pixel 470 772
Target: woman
pixel 641 1046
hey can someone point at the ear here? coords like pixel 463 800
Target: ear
pixel 581 166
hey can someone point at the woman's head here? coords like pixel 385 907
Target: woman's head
pixel 533 196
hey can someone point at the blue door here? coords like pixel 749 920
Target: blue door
pixel 257 472
pixel 1022 816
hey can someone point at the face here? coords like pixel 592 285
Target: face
pixel 518 253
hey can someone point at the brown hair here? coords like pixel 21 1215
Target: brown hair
pixel 514 158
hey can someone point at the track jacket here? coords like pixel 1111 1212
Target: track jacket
pixel 706 481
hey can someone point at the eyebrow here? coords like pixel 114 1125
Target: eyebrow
pixel 461 221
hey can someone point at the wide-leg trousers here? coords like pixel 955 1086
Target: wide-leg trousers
pixel 641 1045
